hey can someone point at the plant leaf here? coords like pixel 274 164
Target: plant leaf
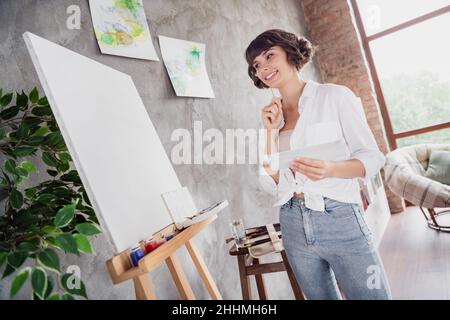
pixel 18 281
pixel 29 166
pixel 6 99
pixel 43 101
pixel 42 111
pixel 9 113
pixel 22 172
pixel 67 296
pixel 49 259
pixel 8 270
pixel 26 247
pixel 10 166
pixel 88 229
pixel 39 282
pixel 23 151
pixel 54 296
pixel 41 131
pixel 54 138
pixel 67 242
pixel 64 215
pixel 34 95
pixel 17 258
pixel 22 131
pixel 49 159
pixel 16 199
pixel 50 230
pixel 83 243
pixel 21 99
pixel 3 257
pixel 64 156
pixel 35 140
pixel 30 192
pixel 50 285
pixel 52 173
pixel 69 282
pixel 46 198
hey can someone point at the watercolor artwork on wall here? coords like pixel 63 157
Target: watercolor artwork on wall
pixel 185 64
pixel 121 28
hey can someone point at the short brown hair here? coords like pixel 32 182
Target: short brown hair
pixel 298 49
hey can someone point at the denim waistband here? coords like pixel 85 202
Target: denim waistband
pixel 293 201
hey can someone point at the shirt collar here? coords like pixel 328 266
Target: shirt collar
pixel 310 88
pixel 308 92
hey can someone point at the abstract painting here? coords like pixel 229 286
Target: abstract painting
pixel 121 28
pixel 185 64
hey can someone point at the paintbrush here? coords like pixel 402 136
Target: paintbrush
pixel 251 244
pixel 273 94
pixel 255 232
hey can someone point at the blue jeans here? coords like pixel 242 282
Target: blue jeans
pixel 332 247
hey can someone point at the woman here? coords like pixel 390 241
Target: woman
pixel 324 233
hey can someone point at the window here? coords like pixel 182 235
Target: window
pixel 379 15
pixel 407 49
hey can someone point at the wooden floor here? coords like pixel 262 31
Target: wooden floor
pixel 416 258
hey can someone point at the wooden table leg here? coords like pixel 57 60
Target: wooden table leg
pixel 203 271
pixel 245 283
pixel 143 288
pixel 179 277
pixel 260 283
pixel 295 286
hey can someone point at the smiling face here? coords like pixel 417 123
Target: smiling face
pixel 272 67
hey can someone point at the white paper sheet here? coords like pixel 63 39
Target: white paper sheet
pixel 335 150
pixel 185 64
pixel 121 28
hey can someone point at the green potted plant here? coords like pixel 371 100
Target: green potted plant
pixel 39 220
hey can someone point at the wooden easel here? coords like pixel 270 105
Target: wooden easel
pixel 121 269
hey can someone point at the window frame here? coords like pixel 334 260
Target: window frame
pixel 391 136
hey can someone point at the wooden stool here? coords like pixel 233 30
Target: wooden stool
pixel 250 266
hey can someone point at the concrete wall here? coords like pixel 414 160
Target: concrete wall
pixel 226 27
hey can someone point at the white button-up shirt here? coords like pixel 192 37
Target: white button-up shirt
pixel 327 112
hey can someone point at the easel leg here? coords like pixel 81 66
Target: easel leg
pixel 203 271
pixel 143 288
pixel 295 287
pixel 179 277
pixel 260 283
pixel 245 284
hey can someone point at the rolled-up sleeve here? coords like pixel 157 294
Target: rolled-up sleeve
pixel 358 135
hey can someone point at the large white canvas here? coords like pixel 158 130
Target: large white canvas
pixel 121 28
pixel 185 64
pixel 111 138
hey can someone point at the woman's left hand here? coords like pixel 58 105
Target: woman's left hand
pixel 312 168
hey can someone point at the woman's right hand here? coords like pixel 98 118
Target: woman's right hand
pixel 272 114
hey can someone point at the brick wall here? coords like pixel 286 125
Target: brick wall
pixel 341 60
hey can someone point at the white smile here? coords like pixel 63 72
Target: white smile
pixel 271 75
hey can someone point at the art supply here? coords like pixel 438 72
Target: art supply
pixel 202 215
pixel 253 233
pixel 185 64
pixel 170 236
pixel 238 230
pixel 152 245
pixel 179 204
pixel 122 29
pixel 104 141
pixel 136 255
